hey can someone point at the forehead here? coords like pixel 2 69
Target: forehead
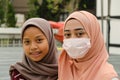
pixel 32 30
pixel 73 24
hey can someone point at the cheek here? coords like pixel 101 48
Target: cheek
pixel 46 50
pixel 44 47
pixel 86 36
pixel 26 49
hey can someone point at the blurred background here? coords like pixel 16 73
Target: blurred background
pixel 13 13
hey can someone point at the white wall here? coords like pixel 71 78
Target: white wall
pixel 115 23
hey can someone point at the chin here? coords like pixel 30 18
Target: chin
pixel 36 60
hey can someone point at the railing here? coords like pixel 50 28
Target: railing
pixel 10 37
pixel 10 42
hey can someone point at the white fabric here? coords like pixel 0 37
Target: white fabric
pixel 76 47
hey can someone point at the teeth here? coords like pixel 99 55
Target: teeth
pixel 35 53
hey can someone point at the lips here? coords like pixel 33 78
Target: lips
pixel 35 54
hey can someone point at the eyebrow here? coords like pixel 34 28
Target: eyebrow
pixel 39 36
pixel 25 38
pixel 74 29
pixel 79 29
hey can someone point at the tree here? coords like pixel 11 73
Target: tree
pixel 10 17
pixel 7 14
pixel 33 8
pixel 48 9
pixel 52 9
pixel 1 12
pixel 88 5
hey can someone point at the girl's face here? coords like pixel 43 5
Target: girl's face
pixel 35 43
pixel 74 29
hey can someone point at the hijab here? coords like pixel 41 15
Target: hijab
pixel 94 65
pixel 47 68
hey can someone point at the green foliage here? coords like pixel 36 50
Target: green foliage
pixel 52 9
pixel 1 12
pixel 33 8
pixel 7 14
pixel 87 4
pixel 10 17
pixel 48 9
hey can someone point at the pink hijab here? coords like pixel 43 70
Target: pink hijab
pixel 47 68
pixel 94 65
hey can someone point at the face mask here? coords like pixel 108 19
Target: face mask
pixel 76 47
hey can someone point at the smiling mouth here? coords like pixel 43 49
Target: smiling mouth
pixel 35 54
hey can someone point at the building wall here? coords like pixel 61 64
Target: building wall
pixel 20 6
pixel 114 22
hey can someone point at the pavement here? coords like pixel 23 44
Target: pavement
pixel 8 56
pixel 114 59
pixel 11 55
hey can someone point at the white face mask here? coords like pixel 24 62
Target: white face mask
pixel 76 47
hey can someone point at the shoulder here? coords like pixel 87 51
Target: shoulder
pixel 15 75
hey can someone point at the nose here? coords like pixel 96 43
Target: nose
pixel 33 46
pixel 73 36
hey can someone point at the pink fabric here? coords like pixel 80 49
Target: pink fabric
pixel 94 65
pixel 15 75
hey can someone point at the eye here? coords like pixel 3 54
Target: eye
pixel 26 42
pixel 39 40
pixel 79 34
pixel 67 35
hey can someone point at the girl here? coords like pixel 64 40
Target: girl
pixel 84 55
pixel 39 60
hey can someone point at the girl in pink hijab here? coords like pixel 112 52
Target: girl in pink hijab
pixel 84 55
pixel 39 59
